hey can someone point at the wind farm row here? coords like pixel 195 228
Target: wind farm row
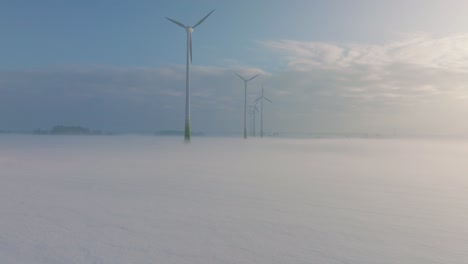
pixel 187 130
pixel 253 113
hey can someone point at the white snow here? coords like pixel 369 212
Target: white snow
pixel 130 199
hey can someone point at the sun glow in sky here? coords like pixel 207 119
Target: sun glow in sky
pixel 390 67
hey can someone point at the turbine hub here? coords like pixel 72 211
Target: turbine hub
pixel 189 29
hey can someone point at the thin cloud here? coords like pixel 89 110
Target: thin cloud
pixel 422 50
pixel 418 66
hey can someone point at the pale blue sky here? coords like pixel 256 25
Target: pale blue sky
pixel 135 33
pixel 338 66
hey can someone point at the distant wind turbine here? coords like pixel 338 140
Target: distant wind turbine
pixel 254 114
pixel 261 110
pixel 245 101
pixel 189 30
pixel 251 112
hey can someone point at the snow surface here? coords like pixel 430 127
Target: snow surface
pixel 130 199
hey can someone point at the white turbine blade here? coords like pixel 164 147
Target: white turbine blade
pixel 253 77
pixel 190 48
pixel 268 99
pixel 240 76
pixel 203 19
pixel 176 22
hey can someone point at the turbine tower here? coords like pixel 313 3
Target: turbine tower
pixel 261 110
pixel 245 101
pixel 189 30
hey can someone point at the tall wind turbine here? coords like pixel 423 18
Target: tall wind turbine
pixel 261 110
pixel 189 30
pixel 245 101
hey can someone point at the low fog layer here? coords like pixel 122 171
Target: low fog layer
pixel 155 200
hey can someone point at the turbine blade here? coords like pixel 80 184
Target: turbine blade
pixel 176 22
pixel 253 77
pixel 256 100
pixel 203 19
pixel 240 76
pixel 190 39
pixel 268 100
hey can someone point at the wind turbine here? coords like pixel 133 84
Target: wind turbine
pixel 189 30
pixel 254 111
pixel 245 102
pixel 251 112
pixel 261 110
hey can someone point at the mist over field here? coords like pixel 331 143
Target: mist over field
pixel 137 199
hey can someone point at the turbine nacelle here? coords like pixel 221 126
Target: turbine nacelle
pixel 189 29
pixel 246 80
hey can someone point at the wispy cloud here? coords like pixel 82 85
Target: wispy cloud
pixel 449 53
pixel 414 67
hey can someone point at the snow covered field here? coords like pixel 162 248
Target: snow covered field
pixel 130 199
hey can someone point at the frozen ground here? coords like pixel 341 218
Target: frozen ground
pixel 155 200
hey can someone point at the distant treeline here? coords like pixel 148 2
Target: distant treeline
pixel 176 133
pixel 69 130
